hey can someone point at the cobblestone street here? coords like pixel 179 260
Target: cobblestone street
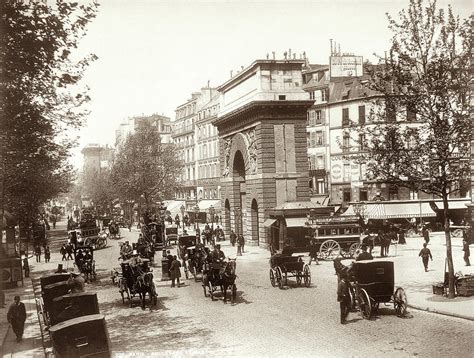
pixel 266 321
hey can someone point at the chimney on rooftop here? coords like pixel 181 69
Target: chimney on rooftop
pixel 273 52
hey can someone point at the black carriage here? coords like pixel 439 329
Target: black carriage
pixel 192 255
pixel 91 236
pixel 154 232
pixel 284 265
pixel 145 250
pixel 171 235
pixel 85 336
pixel 372 283
pixel 74 305
pixel 135 279
pixel 335 236
pixel 114 230
pixel 85 263
pixel 184 243
pixel 48 294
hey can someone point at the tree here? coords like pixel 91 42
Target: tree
pixel 418 134
pixel 41 98
pixel 145 168
pixel 98 187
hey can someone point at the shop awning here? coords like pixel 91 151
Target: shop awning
pixel 453 204
pixel 204 205
pixel 174 206
pixel 393 210
pixel 269 222
pixel 296 222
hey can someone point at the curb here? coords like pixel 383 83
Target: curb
pixel 444 313
pixel 4 339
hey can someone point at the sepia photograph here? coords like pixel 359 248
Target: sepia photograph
pixel 236 178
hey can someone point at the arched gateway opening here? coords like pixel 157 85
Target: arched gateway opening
pixel 238 177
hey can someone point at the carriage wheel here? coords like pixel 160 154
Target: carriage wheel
pixel 279 277
pixel 272 277
pixel 352 298
pixel 234 292
pixel 457 233
pixel 364 304
pixel 307 275
pixel 329 250
pixel 400 302
pixel 354 249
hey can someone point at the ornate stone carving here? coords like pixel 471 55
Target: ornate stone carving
pixel 227 146
pixel 251 140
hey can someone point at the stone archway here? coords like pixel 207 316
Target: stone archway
pixel 238 181
pixel 254 221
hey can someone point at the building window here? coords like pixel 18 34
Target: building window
pixel 363 195
pixel 390 112
pixel 311 95
pixel 320 186
pixel 345 142
pixel 319 137
pixel 413 194
pixel 361 115
pixel 319 117
pixel 345 117
pixel 346 195
pixel 324 95
pixel 393 193
pixel 411 113
pixel 363 171
pixel 361 142
pixel 320 164
pixel 281 97
pixel 308 139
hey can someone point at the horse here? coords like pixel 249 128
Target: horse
pixel 144 285
pixel 228 280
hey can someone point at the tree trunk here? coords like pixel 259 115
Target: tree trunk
pixel 449 254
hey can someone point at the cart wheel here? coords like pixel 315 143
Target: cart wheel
pixel 329 250
pixel 400 302
pixel 364 304
pixel 279 277
pixel 272 278
pixel 352 299
pixel 234 292
pixel 307 276
pixel 354 249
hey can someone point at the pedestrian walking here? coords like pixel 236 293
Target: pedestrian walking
pixel 176 221
pixel 175 271
pixel 16 316
pixel 233 237
pixel 467 251
pixel 47 254
pixel 63 251
pixel 69 250
pixel 401 237
pixel 242 243
pixel 38 253
pixel 425 255
pixel 26 267
pixel 53 220
pixel 240 240
pixel 426 234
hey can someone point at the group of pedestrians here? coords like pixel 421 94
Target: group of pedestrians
pixel 239 240
pixel 66 249
pixel 47 253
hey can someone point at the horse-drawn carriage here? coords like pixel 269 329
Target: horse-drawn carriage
pixel 286 265
pixel 114 230
pixel 219 274
pixel 145 249
pixel 369 284
pixel 134 278
pixel 85 263
pixel 171 235
pixel 90 236
pixel 334 236
pixel 154 232
pixel 192 254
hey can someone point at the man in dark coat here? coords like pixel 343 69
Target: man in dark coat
pixel 16 317
pixel 426 234
pixel 175 271
pixel 233 237
pixel 364 255
pixel 69 250
pixel 63 251
pixel 425 254
pixel 38 253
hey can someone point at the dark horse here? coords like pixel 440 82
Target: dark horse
pixel 141 285
pixel 228 280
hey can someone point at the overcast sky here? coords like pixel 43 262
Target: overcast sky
pixel 153 54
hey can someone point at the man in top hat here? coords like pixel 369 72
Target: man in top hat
pixel 16 316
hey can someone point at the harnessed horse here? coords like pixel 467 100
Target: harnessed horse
pixel 228 279
pixel 144 285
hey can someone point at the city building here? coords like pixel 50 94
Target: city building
pixel 316 83
pixel 97 157
pixel 207 140
pixel 184 136
pixel 130 125
pixel 263 152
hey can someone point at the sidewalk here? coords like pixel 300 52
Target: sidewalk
pixel 32 343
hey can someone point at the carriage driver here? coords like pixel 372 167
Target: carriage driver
pixel 217 255
pixel 136 263
pixel 126 250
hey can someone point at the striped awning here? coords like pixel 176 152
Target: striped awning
pixel 393 210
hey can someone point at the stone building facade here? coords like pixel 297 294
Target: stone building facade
pixel 263 154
